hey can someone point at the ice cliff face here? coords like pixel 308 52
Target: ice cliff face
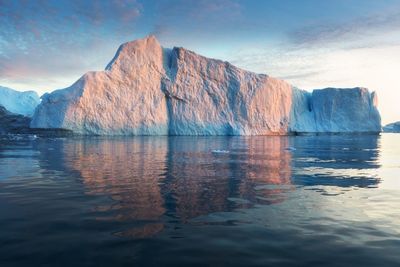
pixel 335 110
pixel 149 90
pixel 211 97
pixel 23 103
pixel 125 99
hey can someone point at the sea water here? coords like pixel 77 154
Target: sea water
pixel 201 201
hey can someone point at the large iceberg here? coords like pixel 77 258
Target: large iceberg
pixel 150 90
pixel 125 99
pixel 23 103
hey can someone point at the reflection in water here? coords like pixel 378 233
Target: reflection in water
pixel 202 182
pixel 17 159
pixel 343 161
pixel 268 170
pixel 146 176
pixel 129 171
pixel 150 177
pixel 143 198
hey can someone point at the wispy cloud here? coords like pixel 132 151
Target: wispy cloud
pixel 200 10
pixel 302 57
pixel 60 38
pixel 359 28
pixel 302 75
pixel 196 18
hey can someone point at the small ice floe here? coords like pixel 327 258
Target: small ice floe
pixel 32 137
pixel 217 151
pixel 290 148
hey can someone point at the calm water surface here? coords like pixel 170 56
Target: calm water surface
pixel 172 201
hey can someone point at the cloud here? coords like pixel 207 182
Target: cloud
pixel 308 56
pixel 302 75
pixel 160 30
pixel 199 9
pixel 52 17
pixel 356 29
pixel 196 18
pixel 58 39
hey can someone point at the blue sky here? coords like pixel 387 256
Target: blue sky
pixel 46 45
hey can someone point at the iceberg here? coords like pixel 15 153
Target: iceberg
pixel 23 103
pixel 125 99
pixel 333 110
pixel 392 127
pixel 150 90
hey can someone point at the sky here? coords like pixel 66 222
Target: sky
pixel 47 45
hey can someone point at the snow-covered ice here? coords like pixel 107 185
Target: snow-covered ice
pixel 149 90
pixel 23 103
pixel 392 127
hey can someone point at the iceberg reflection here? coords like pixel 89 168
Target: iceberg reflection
pixel 152 181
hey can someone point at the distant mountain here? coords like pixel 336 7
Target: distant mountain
pixel 392 127
pixel 150 90
pixel 23 103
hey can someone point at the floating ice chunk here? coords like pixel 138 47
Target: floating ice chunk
pixel 217 151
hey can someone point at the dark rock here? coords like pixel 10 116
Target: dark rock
pixel 16 126
pixel 11 123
